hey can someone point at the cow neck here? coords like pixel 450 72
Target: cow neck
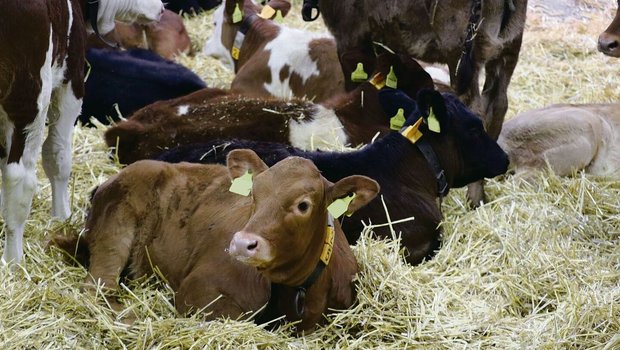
pixel 92 11
pixel 244 28
pixel 301 290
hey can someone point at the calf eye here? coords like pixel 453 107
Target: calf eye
pixel 302 206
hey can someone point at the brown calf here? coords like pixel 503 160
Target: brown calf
pixel 271 59
pixel 42 45
pixel 352 118
pixel 209 242
pixel 609 40
pixel 565 137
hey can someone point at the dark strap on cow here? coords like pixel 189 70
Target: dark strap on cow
pixel 92 9
pixel 306 10
pixel 468 45
pixel 431 157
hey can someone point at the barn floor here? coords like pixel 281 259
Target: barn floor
pixel 538 267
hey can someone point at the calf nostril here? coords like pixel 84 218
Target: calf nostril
pixel 252 245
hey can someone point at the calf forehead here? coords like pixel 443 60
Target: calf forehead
pixel 293 176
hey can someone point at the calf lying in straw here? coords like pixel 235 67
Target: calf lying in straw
pixel 279 246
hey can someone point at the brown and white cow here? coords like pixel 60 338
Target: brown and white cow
pixel 609 40
pixel 278 243
pixel 42 45
pixel 272 59
pixel 347 119
pixel 167 37
pixel 566 138
pixel 467 35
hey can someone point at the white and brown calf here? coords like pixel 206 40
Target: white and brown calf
pixel 222 252
pixel 272 59
pixel 566 137
pixel 42 79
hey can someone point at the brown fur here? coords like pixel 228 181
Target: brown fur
pixel 609 40
pixel 182 219
pixel 154 128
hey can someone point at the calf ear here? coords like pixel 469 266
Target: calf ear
pixel 431 103
pixel 282 5
pixel 365 190
pixel 240 161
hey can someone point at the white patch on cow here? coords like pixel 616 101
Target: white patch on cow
pixel 182 110
pixel 438 74
pixel 214 47
pixel 128 11
pixel 324 131
pixel 291 48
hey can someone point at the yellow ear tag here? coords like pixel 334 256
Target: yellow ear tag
pixel 397 121
pixel 391 80
pixel 378 81
pixel 433 123
pixel 328 245
pixel 412 132
pixel 279 18
pixel 358 74
pixel 340 206
pixel 242 185
pixel 267 12
pixel 237 14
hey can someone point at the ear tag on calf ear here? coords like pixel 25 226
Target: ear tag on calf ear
pixel 340 206
pixel 279 18
pixel 237 15
pixel 267 12
pixel 412 132
pixel 391 80
pixel 433 123
pixel 359 75
pixel 242 185
pixel 378 81
pixel 397 121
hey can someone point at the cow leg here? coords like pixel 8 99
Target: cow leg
pixel 63 112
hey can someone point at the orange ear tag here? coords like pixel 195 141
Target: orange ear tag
pixel 412 132
pixel 267 12
pixel 378 81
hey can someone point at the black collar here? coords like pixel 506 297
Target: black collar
pixel 92 9
pixel 432 159
pixel 306 10
pixel 247 22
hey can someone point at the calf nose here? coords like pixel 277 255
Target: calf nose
pixel 609 44
pixel 248 245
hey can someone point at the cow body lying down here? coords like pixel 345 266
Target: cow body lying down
pixel 351 118
pixel 208 242
pixel 566 137
pixel 409 183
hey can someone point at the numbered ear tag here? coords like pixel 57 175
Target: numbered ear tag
pixel 378 81
pixel 328 245
pixel 242 185
pixel 359 75
pixel 433 123
pixel 279 18
pixel 237 15
pixel 340 206
pixel 391 80
pixel 267 12
pixel 412 132
pixel 397 121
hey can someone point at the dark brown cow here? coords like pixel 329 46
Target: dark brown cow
pixel 272 59
pixel 609 40
pixel 42 77
pixel 279 243
pixel 467 35
pixel 352 118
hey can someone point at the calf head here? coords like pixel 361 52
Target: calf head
pixel 286 232
pixel 474 154
pixel 226 26
pixel 128 11
pixel 609 40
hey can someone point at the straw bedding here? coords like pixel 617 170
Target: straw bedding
pixel 537 267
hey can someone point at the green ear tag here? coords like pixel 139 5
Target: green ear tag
pixel 358 74
pixel 279 18
pixel 433 123
pixel 397 121
pixel 340 206
pixel 242 185
pixel 237 14
pixel 391 80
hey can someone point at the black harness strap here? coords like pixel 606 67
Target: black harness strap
pixel 306 10
pixel 431 157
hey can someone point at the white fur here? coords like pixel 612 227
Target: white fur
pixel 324 131
pixel 182 110
pixel 214 47
pixel 438 74
pixel 290 48
pixel 141 11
